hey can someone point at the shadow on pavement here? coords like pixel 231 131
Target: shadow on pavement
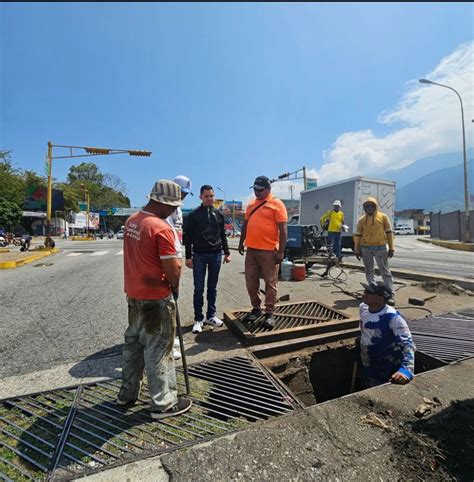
pixel 104 363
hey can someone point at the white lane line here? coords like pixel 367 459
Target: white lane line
pixel 119 253
pixel 73 254
pixel 99 253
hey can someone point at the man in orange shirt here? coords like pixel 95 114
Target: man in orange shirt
pixel 152 271
pixel 264 233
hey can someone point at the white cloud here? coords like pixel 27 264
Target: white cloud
pixel 426 121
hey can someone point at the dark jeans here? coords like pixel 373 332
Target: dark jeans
pixel 201 262
pixel 334 240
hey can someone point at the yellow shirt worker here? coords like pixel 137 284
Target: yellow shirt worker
pixel 332 221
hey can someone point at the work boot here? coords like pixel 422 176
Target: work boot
pixel 269 321
pixel 253 315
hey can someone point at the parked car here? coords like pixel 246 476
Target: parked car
pixel 403 230
pixel 120 234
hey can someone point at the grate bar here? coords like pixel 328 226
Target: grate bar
pixel 95 435
pixel 75 447
pixel 18 469
pixel 24 456
pixel 81 430
pixel 138 417
pixel 212 377
pixel 227 375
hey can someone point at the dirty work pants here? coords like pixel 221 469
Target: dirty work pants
pixel 149 346
pixel 260 263
pixel 334 241
pixel 212 263
pixel 381 257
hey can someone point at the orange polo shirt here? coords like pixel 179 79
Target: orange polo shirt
pixel 262 227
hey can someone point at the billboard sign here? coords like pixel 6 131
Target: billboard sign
pixel 36 199
pixel 80 220
pixel 234 205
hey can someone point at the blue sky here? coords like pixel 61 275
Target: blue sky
pixel 225 92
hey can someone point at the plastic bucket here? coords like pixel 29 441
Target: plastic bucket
pixel 299 272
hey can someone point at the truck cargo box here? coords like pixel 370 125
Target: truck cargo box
pixel 352 193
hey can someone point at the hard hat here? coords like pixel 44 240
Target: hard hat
pixel 337 203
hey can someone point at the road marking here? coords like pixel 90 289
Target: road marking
pixel 73 254
pixel 119 253
pixel 99 253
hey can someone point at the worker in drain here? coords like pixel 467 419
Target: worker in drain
pixel 264 233
pixel 386 345
pixel 332 221
pixel 373 234
pixel 152 272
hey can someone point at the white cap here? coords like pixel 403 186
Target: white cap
pixel 185 184
pixel 337 203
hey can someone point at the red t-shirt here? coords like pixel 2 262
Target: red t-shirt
pixel 147 240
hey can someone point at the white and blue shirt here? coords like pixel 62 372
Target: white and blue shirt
pixel 386 344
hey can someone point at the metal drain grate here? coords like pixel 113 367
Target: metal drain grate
pixel 71 432
pixel 447 337
pixel 293 320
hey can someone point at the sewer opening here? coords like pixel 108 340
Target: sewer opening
pixel 327 374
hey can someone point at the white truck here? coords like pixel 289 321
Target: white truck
pixel 352 193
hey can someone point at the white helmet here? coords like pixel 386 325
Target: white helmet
pixel 337 203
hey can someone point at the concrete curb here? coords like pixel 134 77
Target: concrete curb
pixel 79 238
pixel 465 283
pixel 41 254
pixel 456 245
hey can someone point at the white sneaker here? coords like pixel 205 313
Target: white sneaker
pixel 176 343
pixel 176 354
pixel 197 327
pixel 214 321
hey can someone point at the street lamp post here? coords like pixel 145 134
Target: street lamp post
pixel 88 200
pixel 466 189
pixel 90 151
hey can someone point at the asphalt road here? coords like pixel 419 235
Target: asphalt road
pixel 422 257
pixel 71 306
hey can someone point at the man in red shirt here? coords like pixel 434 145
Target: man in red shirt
pixel 152 272
pixel 264 233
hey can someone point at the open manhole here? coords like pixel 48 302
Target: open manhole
pixel 70 432
pixel 293 320
pixel 327 367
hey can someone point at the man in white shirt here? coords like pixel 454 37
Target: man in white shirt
pixel 176 221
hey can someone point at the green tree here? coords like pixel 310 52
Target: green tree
pixel 10 214
pixel 12 186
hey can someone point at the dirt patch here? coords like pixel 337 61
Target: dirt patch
pixel 444 287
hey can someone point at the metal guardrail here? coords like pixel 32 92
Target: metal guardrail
pixel 66 433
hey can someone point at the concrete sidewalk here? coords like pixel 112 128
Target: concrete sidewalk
pixel 457 245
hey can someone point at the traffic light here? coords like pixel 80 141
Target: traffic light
pixel 97 150
pixel 140 153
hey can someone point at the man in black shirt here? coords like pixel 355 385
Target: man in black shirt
pixel 204 241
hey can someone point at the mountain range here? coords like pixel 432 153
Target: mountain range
pixel 434 183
